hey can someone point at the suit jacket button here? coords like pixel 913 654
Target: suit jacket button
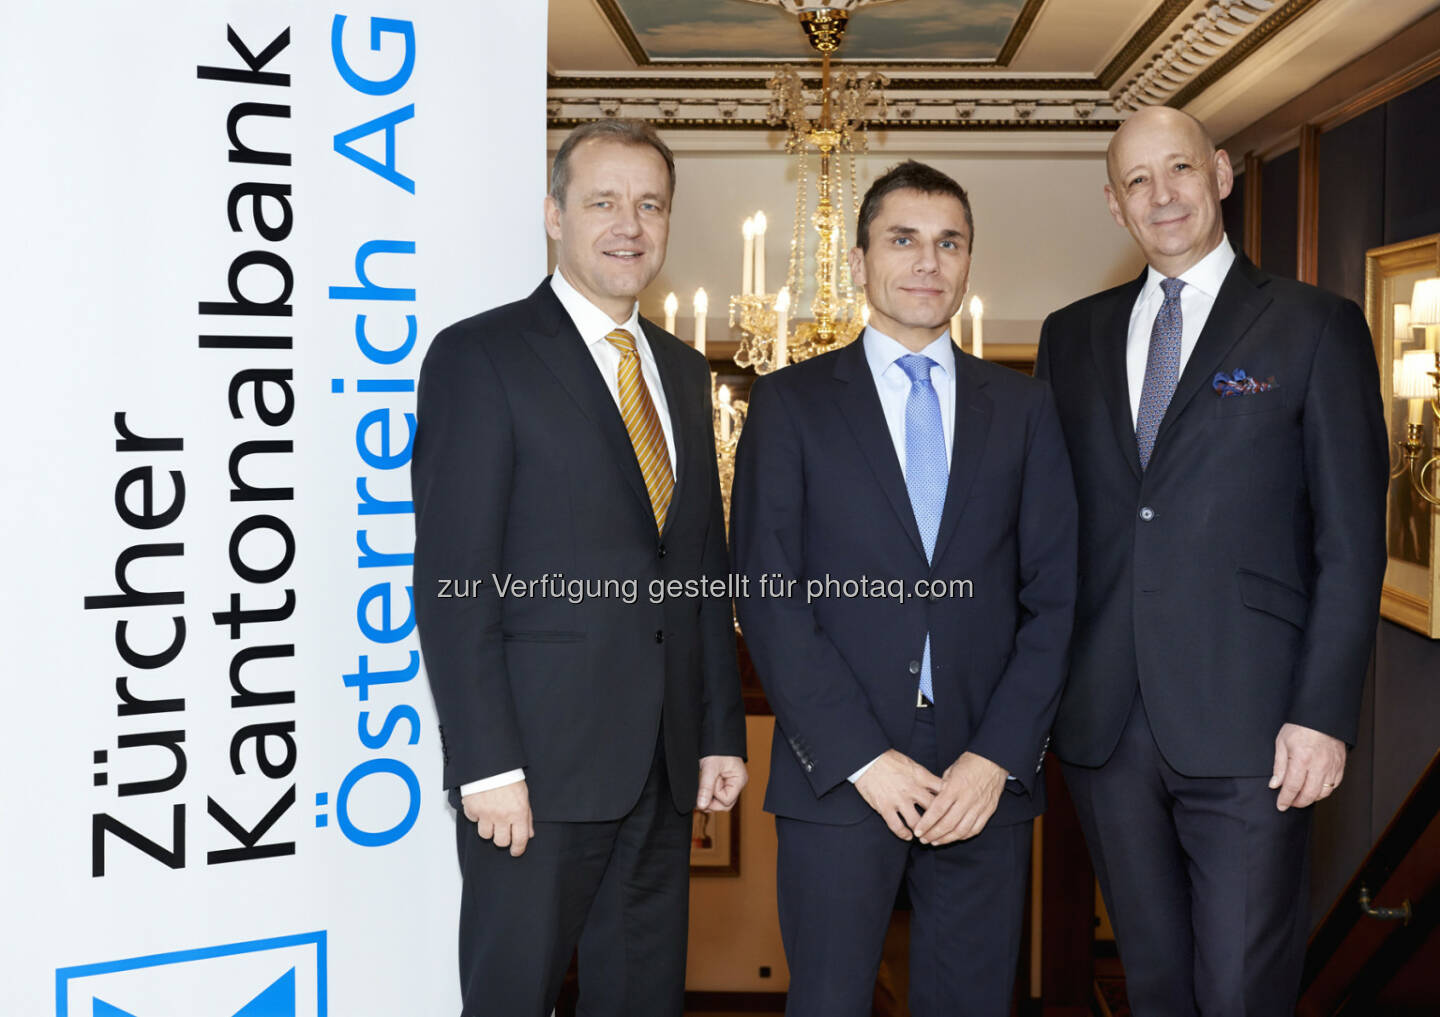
pixel 1147 513
pixel 660 550
pixel 659 635
pixel 809 767
pixel 914 667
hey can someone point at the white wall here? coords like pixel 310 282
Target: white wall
pixel 1043 234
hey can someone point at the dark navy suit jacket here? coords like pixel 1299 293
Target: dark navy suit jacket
pixel 1237 579
pixel 523 467
pixel 819 492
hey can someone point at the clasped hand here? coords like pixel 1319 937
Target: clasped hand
pixel 937 810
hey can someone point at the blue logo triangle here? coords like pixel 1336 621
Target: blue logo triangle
pixel 104 1009
pixel 276 1001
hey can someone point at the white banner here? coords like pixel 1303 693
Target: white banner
pixel 230 230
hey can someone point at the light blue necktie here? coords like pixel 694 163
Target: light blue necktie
pixel 927 472
pixel 1162 370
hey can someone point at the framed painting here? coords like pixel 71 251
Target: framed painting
pixel 1405 345
pixel 715 843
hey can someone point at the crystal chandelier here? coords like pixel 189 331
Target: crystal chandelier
pixel 774 331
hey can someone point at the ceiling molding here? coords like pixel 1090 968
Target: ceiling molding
pixel 1390 88
pixel 918 143
pixel 955 124
pixel 1142 40
pixel 663 82
pixel 1403 62
pixel 1024 21
pixel 625 32
pixel 1244 47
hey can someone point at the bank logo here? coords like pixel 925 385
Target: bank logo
pixel 281 977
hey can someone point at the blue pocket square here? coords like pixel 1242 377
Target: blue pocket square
pixel 1241 384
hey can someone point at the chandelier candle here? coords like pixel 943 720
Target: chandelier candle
pixel 702 308
pixel 747 262
pixel 760 225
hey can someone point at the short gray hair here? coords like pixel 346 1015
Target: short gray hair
pixel 625 131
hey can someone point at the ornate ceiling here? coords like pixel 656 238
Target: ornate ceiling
pixel 963 66
pixel 943 31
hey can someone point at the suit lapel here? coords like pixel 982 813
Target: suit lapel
pixel 1109 332
pixel 557 343
pixel 671 379
pixel 861 411
pixel 1237 305
pixel 974 411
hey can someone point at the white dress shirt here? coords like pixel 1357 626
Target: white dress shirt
pixel 1202 283
pixel 594 325
pixel 893 386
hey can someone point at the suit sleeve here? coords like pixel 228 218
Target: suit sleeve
pixel 1346 474
pixel 722 724
pixel 1042 352
pixel 461 477
pixel 816 697
pixel 1015 730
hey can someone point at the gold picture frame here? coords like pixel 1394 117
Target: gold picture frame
pixel 715 843
pixel 1411 594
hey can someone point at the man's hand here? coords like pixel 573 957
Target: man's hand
pixel 972 789
pixel 721 780
pixel 898 788
pixel 502 815
pixel 1309 765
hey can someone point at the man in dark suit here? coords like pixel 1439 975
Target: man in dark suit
pixel 912 715
pixel 564 477
pixel 1230 461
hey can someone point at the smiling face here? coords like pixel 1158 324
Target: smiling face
pixel 915 270
pixel 611 232
pixel 1166 183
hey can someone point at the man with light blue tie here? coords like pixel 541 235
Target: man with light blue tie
pixel 916 507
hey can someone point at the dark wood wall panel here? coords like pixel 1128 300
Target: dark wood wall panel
pixel 1352 202
pixel 1412 163
pixel 1232 209
pixel 1377 181
pixel 1279 218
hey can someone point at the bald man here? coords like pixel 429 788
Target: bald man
pixel 1230 460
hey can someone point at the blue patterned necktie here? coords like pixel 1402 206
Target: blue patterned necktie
pixel 927 472
pixel 1162 370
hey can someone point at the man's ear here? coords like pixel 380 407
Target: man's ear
pixel 552 217
pixel 1114 203
pixel 1224 173
pixel 857 267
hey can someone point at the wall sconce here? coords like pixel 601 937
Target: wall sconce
pixel 1417 380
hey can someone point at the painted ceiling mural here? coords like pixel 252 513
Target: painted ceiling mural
pixel 721 30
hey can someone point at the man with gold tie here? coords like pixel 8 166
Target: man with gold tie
pixel 565 444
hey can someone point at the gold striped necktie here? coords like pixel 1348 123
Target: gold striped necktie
pixel 643 424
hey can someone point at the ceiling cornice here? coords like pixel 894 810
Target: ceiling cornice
pixel 1142 40
pixel 1247 44
pixel 620 25
pixel 666 83
pixel 625 32
pixel 1018 32
pixel 908 124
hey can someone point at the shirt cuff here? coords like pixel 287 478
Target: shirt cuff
pixel 491 783
pixel 861 772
